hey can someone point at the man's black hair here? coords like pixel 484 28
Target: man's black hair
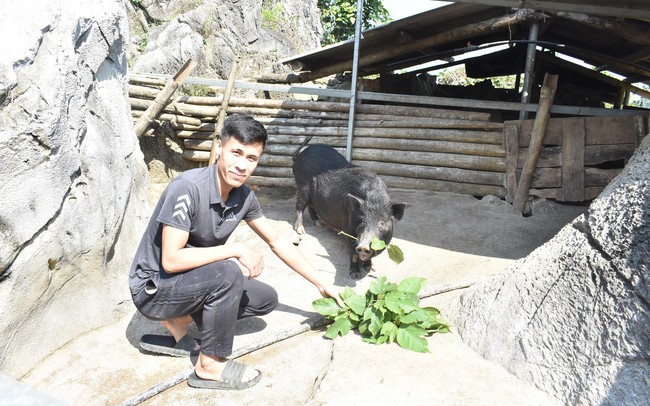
pixel 245 129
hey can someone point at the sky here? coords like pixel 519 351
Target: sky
pixel 404 8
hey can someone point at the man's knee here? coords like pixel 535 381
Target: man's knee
pixel 271 301
pixel 231 275
pixel 258 299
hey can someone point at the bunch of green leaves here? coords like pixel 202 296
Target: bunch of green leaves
pixel 339 18
pixel 394 252
pixel 387 313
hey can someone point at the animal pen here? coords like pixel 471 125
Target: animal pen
pixel 418 135
pixel 411 147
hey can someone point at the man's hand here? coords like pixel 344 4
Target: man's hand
pixel 327 291
pixel 252 260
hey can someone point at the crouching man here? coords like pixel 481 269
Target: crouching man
pixel 183 271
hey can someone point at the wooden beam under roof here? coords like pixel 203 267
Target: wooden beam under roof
pixel 639 9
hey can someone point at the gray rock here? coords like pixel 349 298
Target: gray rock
pixel 73 191
pixel 574 316
pixel 214 32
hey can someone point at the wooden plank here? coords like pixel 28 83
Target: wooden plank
pixel 599 130
pixel 599 154
pixel 434 172
pixel 442 186
pixel 610 130
pixel 594 154
pixel 640 129
pixel 274 171
pixel 573 160
pixel 545 178
pixel 511 141
pixel 600 177
pixel 397 145
pixel 546 193
pixel 271 182
pixel 590 193
pixel 470 136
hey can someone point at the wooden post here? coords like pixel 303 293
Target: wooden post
pixel 222 111
pixel 573 160
pixel 536 139
pixel 511 141
pixel 159 102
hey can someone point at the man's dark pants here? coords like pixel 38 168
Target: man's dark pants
pixel 215 295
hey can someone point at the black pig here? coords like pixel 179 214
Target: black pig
pixel 345 197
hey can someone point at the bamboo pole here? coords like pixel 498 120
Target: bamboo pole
pixel 174 119
pixel 434 172
pixel 536 140
pixel 143 92
pixel 203 135
pixel 222 111
pixel 158 104
pixel 405 133
pixel 380 122
pixel 271 182
pixel 341 107
pixel 443 186
pixel 397 146
pixel 411 122
pixel 146 80
pixel 484 163
pixel 398 182
pixel 177 108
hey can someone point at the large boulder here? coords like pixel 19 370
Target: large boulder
pixel 574 316
pixel 73 191
pixel 215 32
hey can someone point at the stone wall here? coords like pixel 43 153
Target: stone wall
pixel 73 190
pixel 214 32
pixel 574 316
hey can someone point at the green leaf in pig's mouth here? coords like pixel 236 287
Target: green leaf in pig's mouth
pixel 394 252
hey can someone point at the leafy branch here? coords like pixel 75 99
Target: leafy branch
pixel 394 252
pixel 387 313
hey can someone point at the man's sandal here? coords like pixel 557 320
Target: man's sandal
pixel 160 344
pixel 230 378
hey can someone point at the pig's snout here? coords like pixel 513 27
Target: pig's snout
pixel 364 252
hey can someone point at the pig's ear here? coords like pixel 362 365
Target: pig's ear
pixel 397 210
pixel 356 201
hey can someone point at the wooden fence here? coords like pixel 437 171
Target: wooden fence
pixel 580 155
pixel 411 147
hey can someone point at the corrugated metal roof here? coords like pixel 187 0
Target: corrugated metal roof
pixel 620 44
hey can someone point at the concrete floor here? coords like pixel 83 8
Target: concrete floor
pixel 446 238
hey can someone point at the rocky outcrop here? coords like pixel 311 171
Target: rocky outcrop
pixel 574 316
pixel 73 190
pixel 214 32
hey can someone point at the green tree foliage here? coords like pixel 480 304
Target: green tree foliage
pixel 339 18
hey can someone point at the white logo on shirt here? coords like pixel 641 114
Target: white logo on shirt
pixel 181 208
pixel 230 217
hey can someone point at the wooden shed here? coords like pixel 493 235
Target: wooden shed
pixel 416 134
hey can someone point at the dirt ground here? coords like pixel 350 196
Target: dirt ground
pixel 446 238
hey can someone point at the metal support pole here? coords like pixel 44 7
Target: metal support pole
pixel 530 67
pixel 353 88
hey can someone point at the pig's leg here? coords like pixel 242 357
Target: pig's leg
pixel 302 198
pixel 314 217
pixel 359 268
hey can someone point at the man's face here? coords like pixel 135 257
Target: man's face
pixel 237 161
